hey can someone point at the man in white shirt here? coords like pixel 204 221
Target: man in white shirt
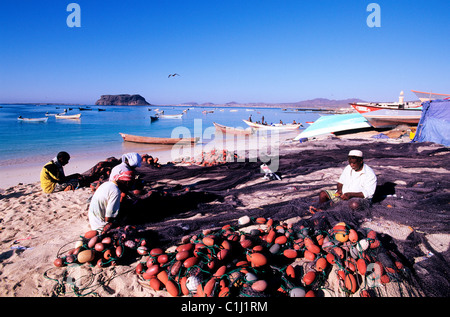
pixel 105 203
pixel 357 180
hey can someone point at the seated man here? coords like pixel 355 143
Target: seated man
pixel 105 204
pixel 357 180
pixel 52 175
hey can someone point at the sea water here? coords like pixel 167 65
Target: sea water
pixel 97 132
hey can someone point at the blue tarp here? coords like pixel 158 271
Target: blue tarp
pixel 434 124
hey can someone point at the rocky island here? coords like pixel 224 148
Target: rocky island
pixel 122 100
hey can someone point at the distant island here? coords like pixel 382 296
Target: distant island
pixel 122 100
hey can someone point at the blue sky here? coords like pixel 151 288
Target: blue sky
pixel 224 50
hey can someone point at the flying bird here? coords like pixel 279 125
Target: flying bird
pixel 173 75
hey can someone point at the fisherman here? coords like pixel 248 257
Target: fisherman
pixel 53 178
pixel 356 184
pixel 129 162
pixel 105 203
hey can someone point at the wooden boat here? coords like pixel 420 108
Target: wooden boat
pixel 171 116
pixel 273 126
pixel 427 96
pixel 154 118
pixel 334 123
pixel 362 107
pixel 32 119
pixel 232 130
pixel 68 116
pixel 389 118
pixel 155 140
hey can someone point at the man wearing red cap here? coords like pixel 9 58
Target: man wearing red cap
pixel 357 180
pixel 105 203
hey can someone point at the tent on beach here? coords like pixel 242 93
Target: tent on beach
pixel 434 125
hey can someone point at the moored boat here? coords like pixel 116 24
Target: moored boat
pixel 232 130
pixel 68 116
pixel 171 116
pixel 364 107
pixel 390 118
pixel 154 118
pixel 20 118
pixel 278 126
pixel 427 96
pixel 156 140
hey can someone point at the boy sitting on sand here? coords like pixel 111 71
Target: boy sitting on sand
pixel 357 180
pixel 52 175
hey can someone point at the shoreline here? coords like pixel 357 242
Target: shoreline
pixel 80 162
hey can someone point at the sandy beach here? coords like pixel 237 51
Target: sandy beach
pixel 36 227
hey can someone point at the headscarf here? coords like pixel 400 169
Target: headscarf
pixel 134 159
pixel 124 176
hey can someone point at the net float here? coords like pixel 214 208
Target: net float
pixel 190 261
pixel 139 268
pixel 92 242
pixel 321 264
pixel 70 258
pixel 184 289
pixel 155 284
pixel 281 240
pixel 313 248
pixel 260 220
pixel 244 220
pixel 320 239
pixel 175 268
pixel 163 277
pixel 224 292
pixel 152 271
pixel 172 288
pixel 220 271
pixel 185 247
pixel 290 271
pixel 107 254
pixel 90 234
pixel 209 241
pixel 119 251
pixel 297 292
pixel 353 235
pixel 246 243
pixel 350 283
pixel 330 258
pixel 163 259
pixel 269 222
pixel 258 248
pixel 99 247
pixel 290 253
pixel 191 283
pixel 209 287
pixel 339 252
pixel 309 256
pixel 372 235
pixel 182 255
pixel 309 277
pixel 257 259
pixel 310 293
pixel 270 236
pixel 362 266
pixel 106 240
pixel 86 256
pixel 58 262
pixel 374 244
pixel 156 251
pixel 362 245
pixel 275 248
pixel 226 244
pixel 142 250
pixel 259 285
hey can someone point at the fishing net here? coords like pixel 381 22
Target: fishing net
pixel 412 191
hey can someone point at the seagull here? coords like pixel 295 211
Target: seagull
pixel 173 75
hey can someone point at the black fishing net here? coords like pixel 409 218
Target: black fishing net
pixel 413 190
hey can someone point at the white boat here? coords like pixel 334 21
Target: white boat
pixel 427 96
pixel 277 126
pixel 68 116
pixel 32 119
pixel 232 130
pixel 334 123
pixel 389 118
pixel 170 116
pixel 363 107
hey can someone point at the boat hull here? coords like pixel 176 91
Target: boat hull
pixel 73 116
pixel 334 123
pixel 364 108
pixel 388 118
pixel 230 130
pixel 155 140
pixel 170 116
pixel 280 127
pixel 427 96
pixel 43 120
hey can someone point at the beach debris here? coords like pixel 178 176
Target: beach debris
pixel 268 173
pixel 262 257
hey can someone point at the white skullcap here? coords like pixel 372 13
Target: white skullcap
pixel 357 153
